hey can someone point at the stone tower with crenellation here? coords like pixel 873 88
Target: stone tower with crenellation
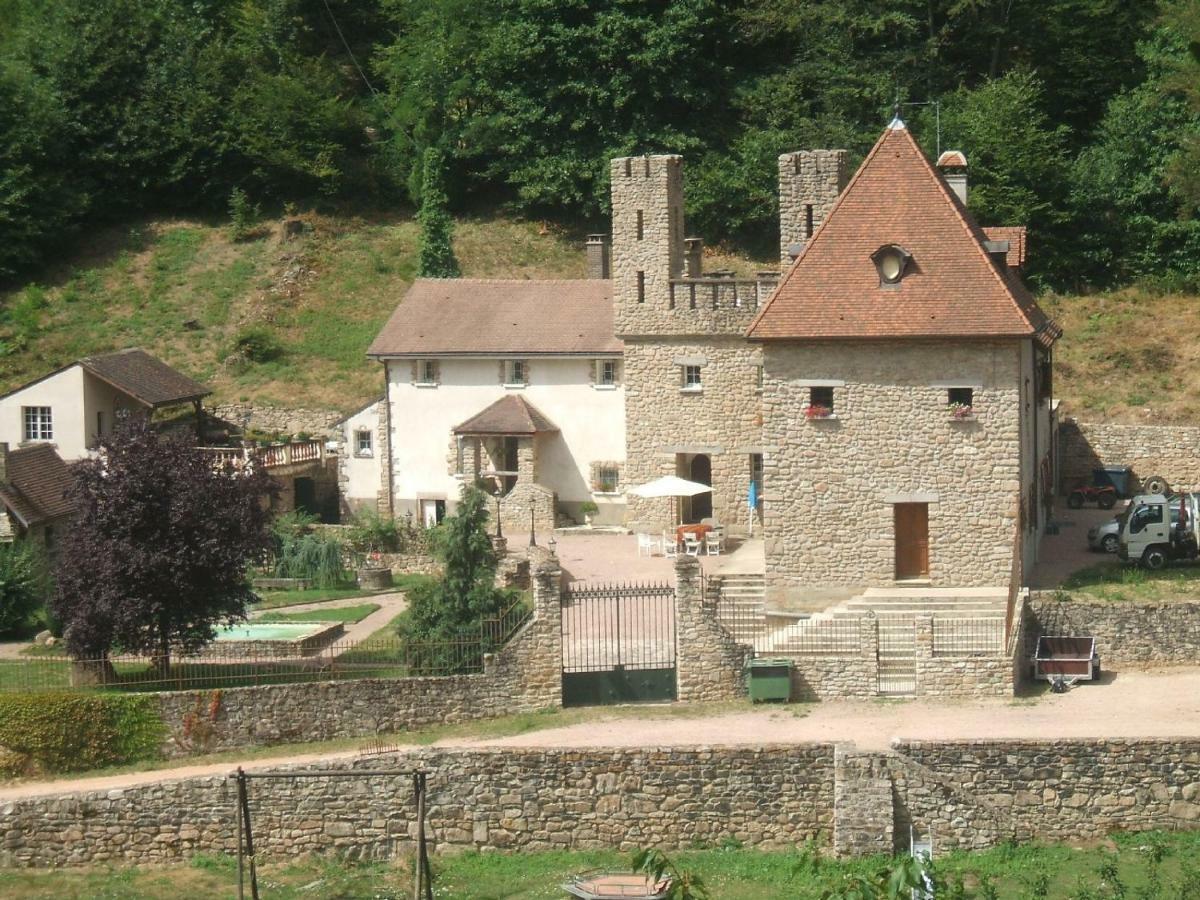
pixel 693 381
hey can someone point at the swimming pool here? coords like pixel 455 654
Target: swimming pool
pixel 270 631
pixel 274 639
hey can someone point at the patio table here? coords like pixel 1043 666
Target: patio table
pixel 699 531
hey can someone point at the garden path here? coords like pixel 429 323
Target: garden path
pixel 391 604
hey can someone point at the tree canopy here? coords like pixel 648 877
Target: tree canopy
pixel 109 107
pixel 157 555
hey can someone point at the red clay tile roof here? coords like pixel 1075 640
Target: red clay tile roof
pixel 511 414
pixel 37 484
pixel 951 289
pixel 145 377
pixel 482 317
pixel 1015 235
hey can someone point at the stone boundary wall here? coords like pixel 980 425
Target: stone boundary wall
pixel 1125 632
pixel 1172 451
pixel 710 664
pixel 510 799
pixel 965 795
pixel 277 419
pixel 524 676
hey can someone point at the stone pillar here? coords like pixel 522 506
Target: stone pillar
pixel 924 652
pixel 693 257
pixel 863 808
pixel 597 256
pixel 809 184
pixel 547 612
pixel 710 665
pixel 868 639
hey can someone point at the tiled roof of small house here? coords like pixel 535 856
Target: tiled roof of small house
pixel 36 485
pixel 511 414
pixel 145 377
pixel 494 317
pixel 951 288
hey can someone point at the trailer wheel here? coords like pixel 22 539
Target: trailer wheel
pixel 1155 484
pixel 1107 500
pixel 1075 499
pixel 1154 558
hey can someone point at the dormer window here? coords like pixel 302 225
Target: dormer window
pixel 892 262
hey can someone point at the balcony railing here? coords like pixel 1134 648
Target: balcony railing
pixel 721 293
pixel 294 453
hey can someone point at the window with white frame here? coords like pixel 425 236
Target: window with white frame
pixel 39 424
pixel 427 371
pixel 363 442
pixel 606 372
pixel 691 378
pixel 515 372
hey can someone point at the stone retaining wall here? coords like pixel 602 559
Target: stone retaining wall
pixel 1125 632
pixel 276 419
pixel 524 676
pixel 966 795
pixel 1167 450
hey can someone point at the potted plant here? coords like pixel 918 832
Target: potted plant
pixel 589 509
pixel 960 411
pixel 817 411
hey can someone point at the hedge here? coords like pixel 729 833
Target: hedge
pixel 64 731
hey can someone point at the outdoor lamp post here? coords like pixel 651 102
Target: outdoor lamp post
pixel 532 534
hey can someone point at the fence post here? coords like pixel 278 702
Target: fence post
pixel 709 664
pixel 923 635
pixel 868 640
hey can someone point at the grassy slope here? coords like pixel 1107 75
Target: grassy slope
pixel 184 290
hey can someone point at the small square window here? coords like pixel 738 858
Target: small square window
pixel 959 398
pixel 606 480
pixel 427 371
pixel 39 424
pixel 821 398
pixel 606 371
pixel 514 372
pixel 691 378
pixel 363 442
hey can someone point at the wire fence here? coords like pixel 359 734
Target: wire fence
pixel 268 662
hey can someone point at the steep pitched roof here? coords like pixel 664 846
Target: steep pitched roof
pixel 509 415
pixel 952 287
pixel 145 377
pixel 475 316
pixel 36 486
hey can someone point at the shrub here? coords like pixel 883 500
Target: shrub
pixel 372 533
pixel 257 344
pixel 23 583
pixel 64 731
pixel 243 215
pixel 314 557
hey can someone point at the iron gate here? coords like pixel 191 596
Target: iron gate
pixel 897 655
pixel 618 643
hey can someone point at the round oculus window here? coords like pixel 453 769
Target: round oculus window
pixel 891 264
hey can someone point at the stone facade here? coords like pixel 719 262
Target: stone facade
pixel 1166 450
pixel 965 795
pixel 1125 631
pixel 276 419
pixel 524 676
pixel 809 184
pixel 710 664
pixel 831 484
pixel 667 426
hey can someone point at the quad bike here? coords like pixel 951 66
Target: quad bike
pixel 1105 497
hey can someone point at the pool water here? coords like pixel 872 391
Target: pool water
pixel 270 631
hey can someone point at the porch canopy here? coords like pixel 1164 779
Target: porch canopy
pixel 510 416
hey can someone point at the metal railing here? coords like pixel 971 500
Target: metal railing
pixel 969 637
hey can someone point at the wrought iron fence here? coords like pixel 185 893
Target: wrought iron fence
pixel 969 637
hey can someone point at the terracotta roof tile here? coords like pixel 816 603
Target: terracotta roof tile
pixel 1015 235
pixel 510 414
pixel 37 484
pixel 145 377
pixel 465 316
pixel 951 289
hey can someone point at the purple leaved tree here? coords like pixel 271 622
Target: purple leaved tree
pixel 157 555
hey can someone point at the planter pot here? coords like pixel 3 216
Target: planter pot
pixel 374 578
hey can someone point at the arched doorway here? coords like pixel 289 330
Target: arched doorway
pixel 701 471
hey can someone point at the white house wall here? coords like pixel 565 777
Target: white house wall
pixel 591 422
pixel 64 394
pixel 361 487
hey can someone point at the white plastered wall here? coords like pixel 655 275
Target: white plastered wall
pixel 361 488
pixel 64 394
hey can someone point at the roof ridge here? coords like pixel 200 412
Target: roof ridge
pixel 820 230
pixel 973 229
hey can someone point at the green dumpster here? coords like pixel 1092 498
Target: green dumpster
pixel 770 679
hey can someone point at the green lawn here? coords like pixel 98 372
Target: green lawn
pixel 730 873
pixel 1113 580
pixel 279 599
pixel 347 614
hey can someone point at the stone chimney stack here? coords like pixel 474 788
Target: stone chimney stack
pixel 953 166
pixel 3 462
pixel 693 257
pixel 597 256
pixel 809 184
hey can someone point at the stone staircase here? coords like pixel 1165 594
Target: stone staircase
pixel 743 602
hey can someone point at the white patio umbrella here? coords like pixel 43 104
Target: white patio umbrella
pixel 671 486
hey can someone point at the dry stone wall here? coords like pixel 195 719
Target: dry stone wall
pixel 1172 451
pixel 710 664
pixel 277 419
pixel 1125 632
pixel 830 484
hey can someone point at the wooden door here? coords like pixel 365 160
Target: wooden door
pixel 912 540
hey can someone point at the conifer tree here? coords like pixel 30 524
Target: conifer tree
pixel 437 229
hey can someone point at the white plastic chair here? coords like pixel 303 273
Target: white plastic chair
pixel 646 544
pixel 691 545
pixel 712 543
pixel 670 548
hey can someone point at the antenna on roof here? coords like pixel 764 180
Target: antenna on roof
pixel 896 122
pixel 937 117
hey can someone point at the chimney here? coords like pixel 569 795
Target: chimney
pixel 953 165
pixel 693 257
pixel 3 462
pixel 597 256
